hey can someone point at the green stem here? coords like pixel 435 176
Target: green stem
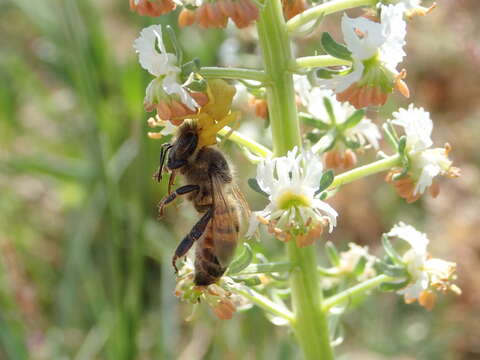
pixel 240 139
pixel 365 170
pixel 355 291
pixel 233 73
pixel 319 61
pixel 266 268
pixel 325 9
pixel 310 324
pixel 264 302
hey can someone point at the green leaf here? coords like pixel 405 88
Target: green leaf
pixel 327 141
pixel 253 183
pixel 389 136
pixel 401 145
pixel 390 286
pixel 397 271
pixel 324 73
pixel 335 49
pixel 328 106
pixel 192 66
pixel 390 251
pixel 176 45
pixel 313 122
pixel 325 181
pixel 332 253
pixel 353 119
pixel 360 266
pixel 250 281
pixel 241 261
pixel 352 144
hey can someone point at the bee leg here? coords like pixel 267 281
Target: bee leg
pixel 194 234
pixel 182 190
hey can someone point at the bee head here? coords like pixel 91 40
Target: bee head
pixel 184 146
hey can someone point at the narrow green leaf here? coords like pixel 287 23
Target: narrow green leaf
pixel 332 253
pixel 326 142
pixel 353 119
pixel 325 181
pixel 360 266
pixel 392 286
pixel 253 183
pixel 328 106
pixel 242 260
pixel 401 145
pixel 176 45
pixel 313 122
pixel 390 251
pixel 335 49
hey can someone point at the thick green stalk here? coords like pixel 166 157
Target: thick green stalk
pixel 309 325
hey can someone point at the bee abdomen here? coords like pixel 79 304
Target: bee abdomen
pixel 207 268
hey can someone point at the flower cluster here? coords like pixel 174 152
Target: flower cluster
pixel 425 162
pixel 425 273
pixel 295 209
pixel 340 129
pixel 376 49
pixel 152 7
pixel 165 93
pixel 215 14
pixel 219 297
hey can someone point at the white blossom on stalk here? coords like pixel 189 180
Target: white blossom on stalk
pixel 376 49
pixel 425 272
pixel 358 136
pixel 294 209
pixel 414 7
pixel 350 258
pixel 164 93
pixel 426 162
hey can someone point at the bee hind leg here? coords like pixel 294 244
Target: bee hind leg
pixel 194 234
pixel 169 198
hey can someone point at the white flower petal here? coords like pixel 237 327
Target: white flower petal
pixel 417 125
pixel 155 62
pixel 417 240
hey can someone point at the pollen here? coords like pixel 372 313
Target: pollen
pixel 290 199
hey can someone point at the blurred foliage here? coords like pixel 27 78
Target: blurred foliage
pixel 85 266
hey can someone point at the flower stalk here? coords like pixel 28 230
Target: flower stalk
pixel 233 73
pixel 310 324
pixel 365 170
pixel 355 291
pixel 242 140
pixel 324 9
pixel 318 61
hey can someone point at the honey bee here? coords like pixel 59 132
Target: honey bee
pixel 214 195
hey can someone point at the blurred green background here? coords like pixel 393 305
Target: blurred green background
pixel 85 267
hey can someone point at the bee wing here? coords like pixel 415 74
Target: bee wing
pixel 225 221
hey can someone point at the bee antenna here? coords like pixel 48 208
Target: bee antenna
pixel 163 157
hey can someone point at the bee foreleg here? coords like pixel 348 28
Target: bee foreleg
pixel 169 198
pixel 194 234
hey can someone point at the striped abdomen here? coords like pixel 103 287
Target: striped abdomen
pixel 217 245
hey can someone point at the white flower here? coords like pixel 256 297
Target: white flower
pixel 350 258
pixel 157 61
pixel 424 271
pixel 427 163
pixel 152 53
pixel 376 50
pixel 417 125
pixel 291 182
pixel 364 132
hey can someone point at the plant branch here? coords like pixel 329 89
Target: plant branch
pixel 318 61
pixel 324 9
pixel 240 139
pixel 264 302
pixel 233 73
pixel 266 268
pixel 355 291
pixel 365 170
